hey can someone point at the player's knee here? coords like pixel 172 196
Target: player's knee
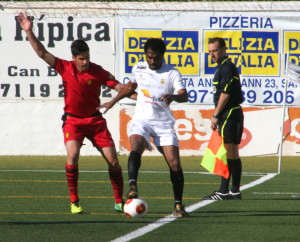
pixel 72 158
pixel 114 163
pixel 175 165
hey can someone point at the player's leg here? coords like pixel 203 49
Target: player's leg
pixel 231 129
pixel 101 138
pixel 235 167
pixel 73 138
pixel 138 145
pixel 171 155
pixel 226 125
pixel 115 175
pixel 233 159
pixel 139 136
pixel 71 166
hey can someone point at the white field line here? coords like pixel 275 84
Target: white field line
pixel 276 193
pixel 168 219
pixel 154 172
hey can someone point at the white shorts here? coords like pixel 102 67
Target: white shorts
pixel 163 134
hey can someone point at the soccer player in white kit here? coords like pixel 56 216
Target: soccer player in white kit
pixel 157 84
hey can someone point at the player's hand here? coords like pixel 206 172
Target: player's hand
pixel 214 123
pixel 24 21
pixel 103 108
pixel 167 98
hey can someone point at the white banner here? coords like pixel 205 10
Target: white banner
pixel 23 75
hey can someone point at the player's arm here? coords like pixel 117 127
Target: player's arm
pixel 38 47
pixel 224 97
pixel 180 97
pixel 226 87
pixel 125 91
pixel 119 88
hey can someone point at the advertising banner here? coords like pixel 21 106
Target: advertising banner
pixel 31 93
pixel 257 45
pixel 24 76
pixel 193 131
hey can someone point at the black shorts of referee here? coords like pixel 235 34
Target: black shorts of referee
pixel 231 125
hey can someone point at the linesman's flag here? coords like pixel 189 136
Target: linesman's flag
pixel 214 158
pixel 293 73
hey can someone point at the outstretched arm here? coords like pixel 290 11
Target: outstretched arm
pixel 38 47
pixel 119 88
pixel 126 91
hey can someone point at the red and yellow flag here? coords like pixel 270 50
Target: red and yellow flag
pixel 214 158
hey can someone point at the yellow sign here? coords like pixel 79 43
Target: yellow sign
pixel 182 50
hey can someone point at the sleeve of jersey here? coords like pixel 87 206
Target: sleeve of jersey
pixel 109 79
pixel 59 65
pixel 228 80
pixel 132 78
pixel 177 80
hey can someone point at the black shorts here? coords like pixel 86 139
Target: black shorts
pixel 231 125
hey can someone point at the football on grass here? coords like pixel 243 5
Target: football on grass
pixel 135 208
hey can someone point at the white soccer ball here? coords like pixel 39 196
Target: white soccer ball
pixel 135 208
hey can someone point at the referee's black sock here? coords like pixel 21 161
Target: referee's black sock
pixel 236 173
pixel 177 180
pixel 224 187
pixel 134 164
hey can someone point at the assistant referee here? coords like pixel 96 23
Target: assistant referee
pixel 228 117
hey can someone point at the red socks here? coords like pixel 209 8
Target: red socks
pixel 115 176
pixel 72 179
pixel 116 180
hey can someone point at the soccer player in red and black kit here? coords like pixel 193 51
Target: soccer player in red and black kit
pixel 228 117
pixel 82 81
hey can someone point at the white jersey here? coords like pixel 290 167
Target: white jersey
pixel 152 85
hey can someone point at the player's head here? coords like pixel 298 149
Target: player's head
pixel 81 54
pixel 155 49
pixel 216 48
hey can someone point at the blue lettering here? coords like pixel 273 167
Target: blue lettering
pixel 133 43
pixel 189 61
pixel 226 22
pixel 251 83
pixel 213 20
pixel 190 83
pixel 269 62
pixel 234 25
pixel 244 22
pixel 293 44
pixel 240 22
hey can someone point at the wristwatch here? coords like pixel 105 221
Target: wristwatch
pixel 215 116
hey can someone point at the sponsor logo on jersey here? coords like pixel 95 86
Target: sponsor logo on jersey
pixel 146 93
pixel 89 82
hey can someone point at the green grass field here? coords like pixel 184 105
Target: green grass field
pixel 34 202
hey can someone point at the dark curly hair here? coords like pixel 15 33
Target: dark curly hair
pixel 155 44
